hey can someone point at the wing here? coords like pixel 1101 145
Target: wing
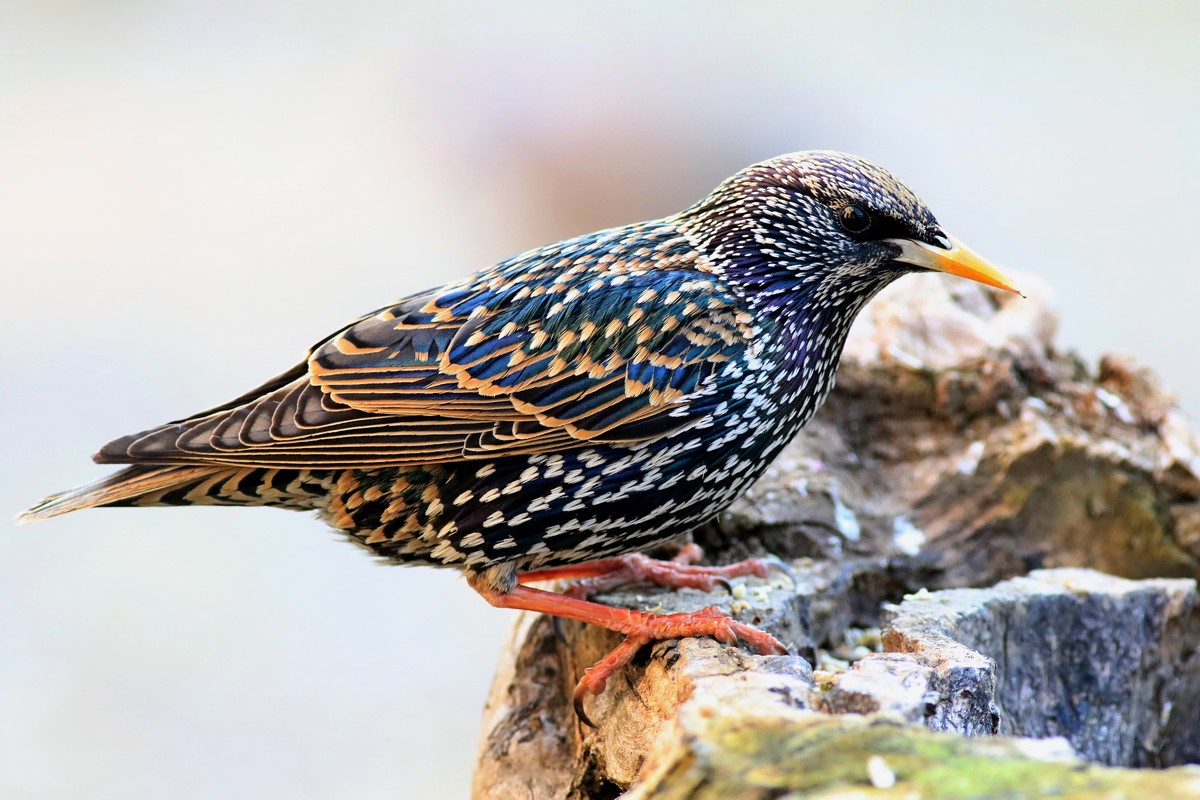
pixel 586 341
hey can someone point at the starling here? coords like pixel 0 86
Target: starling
pixel 561 410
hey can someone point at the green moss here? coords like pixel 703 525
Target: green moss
pixel 822 757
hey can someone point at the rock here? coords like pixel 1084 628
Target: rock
pixel 529 721
pixel 769 752
pixel 1090 661
pixel 1094 659
pixel 528 746
pixel 942 684
pixel 960 449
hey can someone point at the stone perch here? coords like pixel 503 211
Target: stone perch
pixel 962 450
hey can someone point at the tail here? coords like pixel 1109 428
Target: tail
pixel 189 485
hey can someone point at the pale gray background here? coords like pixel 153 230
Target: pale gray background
pixel 190 194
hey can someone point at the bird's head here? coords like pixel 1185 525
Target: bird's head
pixel 824 225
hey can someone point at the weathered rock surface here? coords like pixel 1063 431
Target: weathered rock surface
pixel 769 753
pixel 1069 652
pixel 1094 660
pixel 959 449
pixel 533 745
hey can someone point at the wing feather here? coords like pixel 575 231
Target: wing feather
pixel 580 342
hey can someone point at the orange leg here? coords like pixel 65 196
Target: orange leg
pixel 638 626
pixel 680 572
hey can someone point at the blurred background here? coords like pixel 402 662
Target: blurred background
pixel 192 193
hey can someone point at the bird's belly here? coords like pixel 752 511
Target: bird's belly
pixel 551 509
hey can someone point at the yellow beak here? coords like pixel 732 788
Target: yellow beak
pixel 958 260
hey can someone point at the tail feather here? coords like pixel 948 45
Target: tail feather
pixel 125 485
pixel 189 485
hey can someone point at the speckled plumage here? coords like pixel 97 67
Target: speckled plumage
pixel 581 400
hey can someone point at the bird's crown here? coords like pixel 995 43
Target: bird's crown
pixel 813 188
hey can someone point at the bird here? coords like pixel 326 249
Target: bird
pixel 561 411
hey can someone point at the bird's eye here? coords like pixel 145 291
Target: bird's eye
pixel 854 219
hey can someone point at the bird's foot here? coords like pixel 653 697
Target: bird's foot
pixel 639 628
pixel 680 572
pixel 710 621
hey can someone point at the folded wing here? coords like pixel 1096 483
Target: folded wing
pixel 539 354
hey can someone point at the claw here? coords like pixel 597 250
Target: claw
pixel 595 677
pixel 779 565
pixel 578 703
